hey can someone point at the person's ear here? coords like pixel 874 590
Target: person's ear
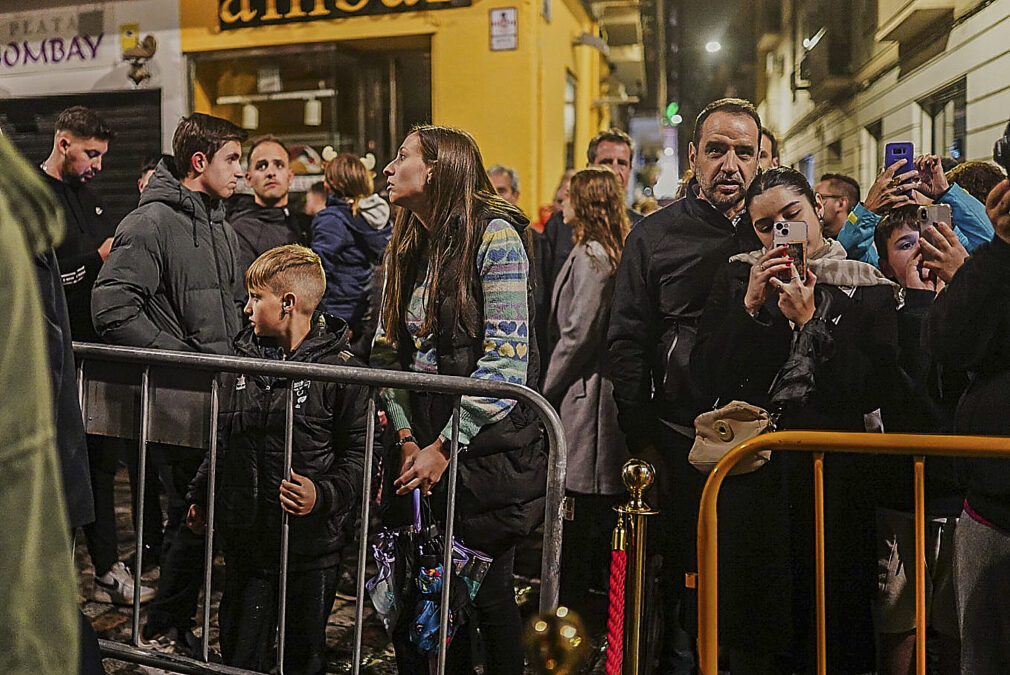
pixel 692 154
pixel 63 143
pixel 288 302
pixel 819 205
pixel 198 162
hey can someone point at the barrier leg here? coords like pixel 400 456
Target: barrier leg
pixel 366 495
pixel 145 423
pixel 822 644
pixel 920 566
pixel 289 426
pixel 208 554
pixel 450 518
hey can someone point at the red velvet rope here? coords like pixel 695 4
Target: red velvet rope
pixel 615 620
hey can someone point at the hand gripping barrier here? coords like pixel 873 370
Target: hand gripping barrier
pixel 818 443
pixel 177 403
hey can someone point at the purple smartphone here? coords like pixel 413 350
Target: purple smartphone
pixel 894 152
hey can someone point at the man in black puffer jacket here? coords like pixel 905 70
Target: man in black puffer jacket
pixel 171 281
pixel 329 436
pixel 667 268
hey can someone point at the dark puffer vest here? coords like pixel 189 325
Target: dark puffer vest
pixel 502 484
pixel 328 448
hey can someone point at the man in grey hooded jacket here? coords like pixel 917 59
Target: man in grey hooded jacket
pixel 172 281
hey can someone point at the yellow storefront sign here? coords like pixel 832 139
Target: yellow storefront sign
pixel 234 14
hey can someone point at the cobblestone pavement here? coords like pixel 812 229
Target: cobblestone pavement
pixel 114 623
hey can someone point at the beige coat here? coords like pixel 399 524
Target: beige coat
pixel 575 382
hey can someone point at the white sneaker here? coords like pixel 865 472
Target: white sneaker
pixel 116 586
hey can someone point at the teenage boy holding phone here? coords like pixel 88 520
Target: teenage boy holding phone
pixel 284 285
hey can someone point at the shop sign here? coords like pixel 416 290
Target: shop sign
pixel 504 29
pixel 44 40
pixel 247 13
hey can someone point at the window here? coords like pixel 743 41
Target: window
pixel 571 89
pixel 943 121
pixel 871 158
pixel 806 167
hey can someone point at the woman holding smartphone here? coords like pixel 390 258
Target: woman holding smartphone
pixel 577 385
pixel 457 302
pixel 845 312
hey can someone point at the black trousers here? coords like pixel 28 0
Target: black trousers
pixel 585 555
pixel 104 455
pixel 182 563
pixel 248 616
pixel 498 619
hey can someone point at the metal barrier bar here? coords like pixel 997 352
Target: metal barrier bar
pixel 282 601
pixel 374 378
pixel 450 522
pixel 366 502
pixel 162 660
pixel 920 564
pixel 145 421
pixel 208 557
pixel 821 599
pixel 920 445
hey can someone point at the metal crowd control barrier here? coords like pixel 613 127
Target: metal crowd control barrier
pixel 818 443
pixel 179 406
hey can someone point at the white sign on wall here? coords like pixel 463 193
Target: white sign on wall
pixel 504 29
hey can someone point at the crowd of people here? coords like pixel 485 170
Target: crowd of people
pixel 631 326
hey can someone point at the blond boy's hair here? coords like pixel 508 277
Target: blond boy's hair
pixel 289 269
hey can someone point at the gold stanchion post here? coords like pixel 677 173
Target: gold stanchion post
pixel 637 475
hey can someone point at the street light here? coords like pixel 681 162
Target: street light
pixel 712 46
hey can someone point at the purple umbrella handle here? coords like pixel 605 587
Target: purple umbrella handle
pixel 416 495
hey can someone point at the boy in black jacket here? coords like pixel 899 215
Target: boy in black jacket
pixel 925 402
pixel 284 286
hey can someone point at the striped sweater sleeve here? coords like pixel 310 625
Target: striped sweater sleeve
pixel 504 270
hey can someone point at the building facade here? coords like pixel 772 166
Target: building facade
pixel 838 81
pixel 525 78
pixel 64 53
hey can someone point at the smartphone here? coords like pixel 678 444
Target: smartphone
pixel 931 215
pixel 792 235
pixel 894 152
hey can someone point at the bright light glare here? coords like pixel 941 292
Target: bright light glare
pixel 676 119
pixel 668 152
pixel 712 46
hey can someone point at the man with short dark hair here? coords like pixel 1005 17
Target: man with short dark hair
pixel 667 268
pixel 768 155
pixel 506 182
pixel 80 141
pixel 840 194
pixel 264 220
pixel 172 282
pixel 148 167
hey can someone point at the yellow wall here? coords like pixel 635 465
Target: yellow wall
pixel 512 102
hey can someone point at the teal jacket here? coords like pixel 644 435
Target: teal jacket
pixel 971 224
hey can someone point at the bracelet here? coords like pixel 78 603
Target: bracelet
pixel 400 442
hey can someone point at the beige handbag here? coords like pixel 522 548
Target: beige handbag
pixel 719 431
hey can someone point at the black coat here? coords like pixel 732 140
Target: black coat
pixel 70 440
pixel 766 517
pixel 171 280
pixel 666 272
pixel 261 228
pixel 87 228
pixel 968 327
pixel 328 448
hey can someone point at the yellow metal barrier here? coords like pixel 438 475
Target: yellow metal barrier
pixel 818 443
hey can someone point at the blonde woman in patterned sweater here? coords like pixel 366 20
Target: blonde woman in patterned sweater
pixel 457 302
